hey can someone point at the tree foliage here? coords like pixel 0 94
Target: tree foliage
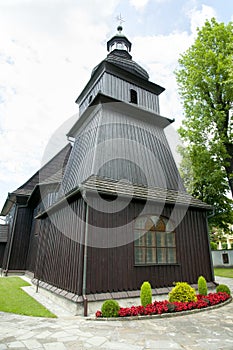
pixel 205 80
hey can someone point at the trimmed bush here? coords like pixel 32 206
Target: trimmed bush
pixel 224 246
pixel 110 308
pixel 146 294
pixel 182 292
pixel 213 246
pixel 223 288
pixel 202 286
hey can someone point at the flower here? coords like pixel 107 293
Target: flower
pixel 160 307
pixel 98 314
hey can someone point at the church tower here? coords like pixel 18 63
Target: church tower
pixel 122 216
pixel 120 134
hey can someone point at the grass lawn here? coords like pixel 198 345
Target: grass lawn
pixel 223 272
pixel 13 299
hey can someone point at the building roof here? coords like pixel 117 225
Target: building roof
pixel 119 47
pixel 109 186
pixel 124 63
pixel 137 111
pixel 51 172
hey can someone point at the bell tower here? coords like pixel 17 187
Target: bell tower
pixel 120 132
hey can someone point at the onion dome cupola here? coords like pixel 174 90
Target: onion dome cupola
pixel 119 45
pixel 119 48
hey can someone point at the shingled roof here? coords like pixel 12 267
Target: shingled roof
pixel 51 172
pixel 113 187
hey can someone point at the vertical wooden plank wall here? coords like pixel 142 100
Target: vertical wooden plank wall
pixel 21 237
pixel 119 89
pixel 59 255
pixel 60 259
pixel 113 269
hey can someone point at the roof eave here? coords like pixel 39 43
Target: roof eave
pixel 101 98
pixel 13 198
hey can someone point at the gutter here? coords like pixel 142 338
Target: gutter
pixel 61 201
pixel 210 252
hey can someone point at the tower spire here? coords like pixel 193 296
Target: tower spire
pixel 119 43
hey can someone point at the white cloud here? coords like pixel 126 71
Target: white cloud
pixel 161 53
pixel 139 4
pixel 198 17
pixel 46 52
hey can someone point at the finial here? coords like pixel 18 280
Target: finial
pixel 119 28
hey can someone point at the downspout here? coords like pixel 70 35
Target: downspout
pixel 210 252
pixel 11 241
pixel 85 301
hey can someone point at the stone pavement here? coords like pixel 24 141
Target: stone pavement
pixel 202 331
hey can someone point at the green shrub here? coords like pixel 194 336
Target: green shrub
pixel 213 245
pixel 110 308
pixel 182 292
pixel 223 288
pixel 224 246
pixel 202 286
pixel 146 294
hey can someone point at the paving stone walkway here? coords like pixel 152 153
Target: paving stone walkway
pixel 202 331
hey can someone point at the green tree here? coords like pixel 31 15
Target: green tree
pixel 205 80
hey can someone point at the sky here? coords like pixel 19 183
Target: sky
pixel 48 49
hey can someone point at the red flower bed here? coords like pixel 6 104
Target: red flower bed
pixel 160 307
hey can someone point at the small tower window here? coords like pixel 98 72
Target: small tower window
pixel 133 96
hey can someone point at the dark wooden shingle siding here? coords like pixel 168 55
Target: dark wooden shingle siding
pixel 33 242
pixel 4 229
pixel 110 254
pixel 59 256
pixel 122 149
pixel 119 89
pixel 117 264
pixel 2 252
pixel 18 241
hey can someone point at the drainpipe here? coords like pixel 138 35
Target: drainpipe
pixel 210 252
pixel 11 241
pixel 85 301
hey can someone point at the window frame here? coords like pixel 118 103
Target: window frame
pixel 133 96
pixel 154 247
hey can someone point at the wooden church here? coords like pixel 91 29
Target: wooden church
pixel 109 211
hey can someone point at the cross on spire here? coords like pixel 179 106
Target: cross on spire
pixel 120 19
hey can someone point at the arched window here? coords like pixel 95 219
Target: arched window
pixel 133 96
pixel 154 241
